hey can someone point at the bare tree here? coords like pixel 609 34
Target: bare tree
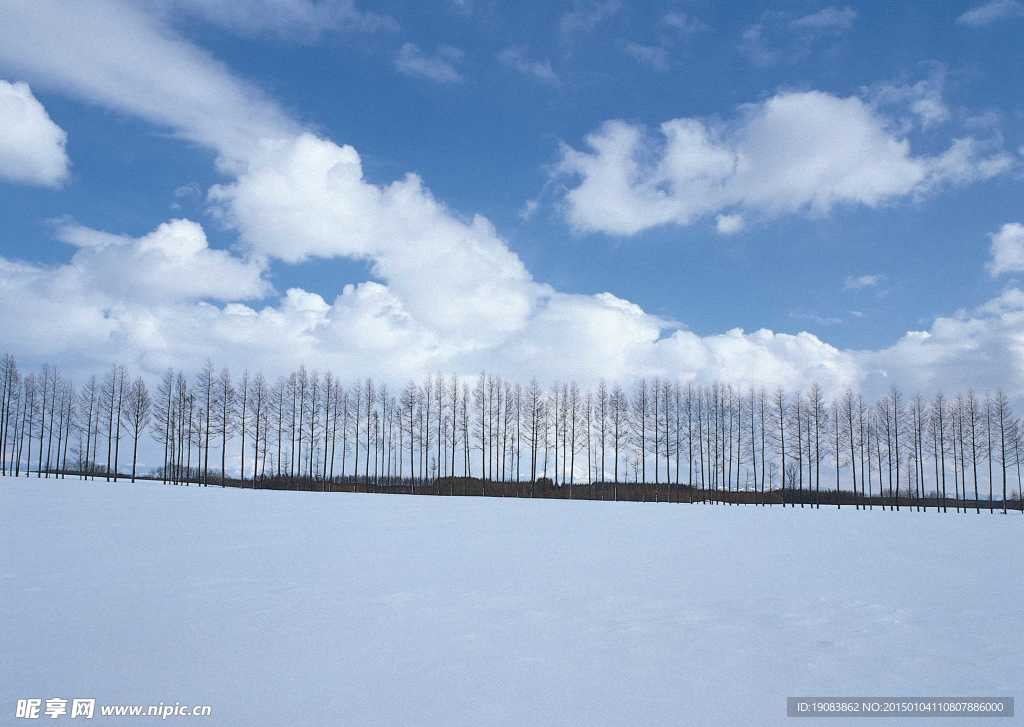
pixel 689 437
pixel 369 399
pixel 315 393
pixel 796 427
pixel 9 375
pixel 242 401
pixel 440 396
pixel 408 403
pixel 534 415
pixel 480 420
pixel 620 426
pixel 938 422
pixel 779 411
pixel 329 406
pixel 224 421
pixel 31 407
pixel 1004 421
pixel 640 412
pixel 453 390
pixel 205 392
pixel 959 437
pixel 988 449
pixel 837 449
pixel 163 414
pixel 974 433
pixel 898 416
pixel 574 404
pixel 850 431
pixel 258 395
pixel 356 400
pixel 136 415
pixel 1016 435
pixel 518 414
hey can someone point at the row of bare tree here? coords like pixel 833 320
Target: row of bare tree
pixel 717 440
pixel 50 426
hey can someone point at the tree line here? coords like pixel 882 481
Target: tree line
pixel 660 438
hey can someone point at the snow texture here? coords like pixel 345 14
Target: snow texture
pixel 288 608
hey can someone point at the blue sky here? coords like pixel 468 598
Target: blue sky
pixel 485 102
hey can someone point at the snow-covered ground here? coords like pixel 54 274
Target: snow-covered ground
pixel 288 608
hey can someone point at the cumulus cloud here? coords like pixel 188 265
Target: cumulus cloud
pixel 67 311
pixel 650 55
pixel 859 282
pixel 439 66
pixel 307 198
pixel 983 348
pixel 966 161
pixel 519 60
pixel 923 98
pixel 831 19
pixel 31 145
pixel 755 47
pixel 86 237
pixel 729 224
pixel 683 23
pixel 72 313
pixel 587 15
pixel 451 295
pixel 173 262
pixel 795 152
pixel 815 318
pixel 59 313
pixel 1007 250
pixel 781 37
pixel 991 12
pixel 298 19
pixel 115 54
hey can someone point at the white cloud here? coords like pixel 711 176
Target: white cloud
pixel 31 145
pixel 68 313
pixel 587 15
pixel 184 191
pixel 440 66
pixel 1007 250
pixel 650 55
pixel 86 237
pixel 173 262
pixel 923 99
pixel 729 224
pixel 518 59
pixel 966 161
pixel 831 19
pixel 991 12
pixel 115 54
pixel 298 19
pixel 71 314
pixel 307 198
pixel 754 46
pixel 859 282
pixel 294 196
pixel 982 348
pixel 452 296
pixel 795 152
pixel 186 194
pixel 816 318
pixel 683 23
pixel 529 209
pixel 779 37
